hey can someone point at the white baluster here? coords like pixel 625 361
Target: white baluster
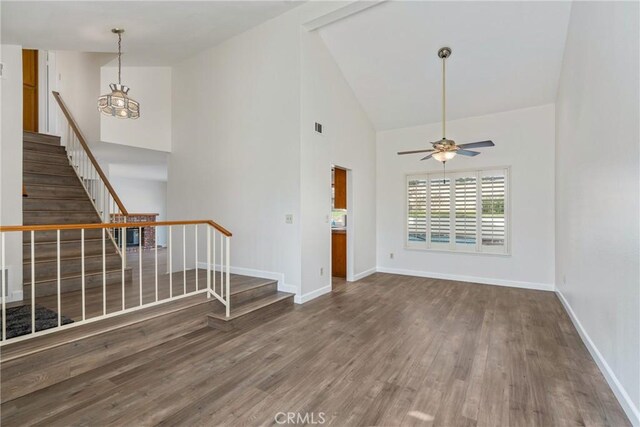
pixel 5 290
pixel 184 259
pixel 33 284
pixel 170 266
pixel 82 274
pixel 104 273
pixel 156 267
pixel 208 261
pixel 123 243
pixel 140 260
pixel 213 259
pixel 228 267
pixel 59 278
pixel 195 232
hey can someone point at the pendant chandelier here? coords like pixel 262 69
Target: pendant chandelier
pixel 117 103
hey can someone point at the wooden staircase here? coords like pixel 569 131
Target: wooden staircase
pixel 55 195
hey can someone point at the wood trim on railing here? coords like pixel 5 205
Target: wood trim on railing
pixel 84 144
pixel 50 227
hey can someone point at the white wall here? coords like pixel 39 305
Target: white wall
pixel 11 162
pixel 151 87
pixel 524 141
pixel 235 145
pixel 78 81
pixel 598 189
pixel 348 140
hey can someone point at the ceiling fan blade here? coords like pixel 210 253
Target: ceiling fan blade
pixel 427 157
pixel 467 153
pixel 414 151
pixel 477 144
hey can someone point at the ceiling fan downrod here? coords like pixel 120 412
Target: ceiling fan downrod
pixel 444 53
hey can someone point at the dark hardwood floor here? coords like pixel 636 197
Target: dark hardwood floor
pixel 387 350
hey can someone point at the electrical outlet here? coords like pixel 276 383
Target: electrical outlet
pixel 322 271
pixel 288 218
pixel 391 255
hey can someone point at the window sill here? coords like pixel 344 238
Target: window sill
pixel 451 251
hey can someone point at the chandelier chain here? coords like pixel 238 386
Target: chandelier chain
pixel 119 57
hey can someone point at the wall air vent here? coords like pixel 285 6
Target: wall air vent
pixel 318 127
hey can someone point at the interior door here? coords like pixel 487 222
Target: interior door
pixel 30 90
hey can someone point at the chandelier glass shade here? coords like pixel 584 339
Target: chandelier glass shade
pixel 118 103
pixel 443 156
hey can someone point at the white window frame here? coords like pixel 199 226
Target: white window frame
pixel 478 248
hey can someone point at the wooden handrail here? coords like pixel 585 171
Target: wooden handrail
pixel 51 227
pixel 84 144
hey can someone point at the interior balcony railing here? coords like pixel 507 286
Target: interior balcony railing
pixel 62 291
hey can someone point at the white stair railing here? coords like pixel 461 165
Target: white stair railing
pixel 101 285
pixel 95 182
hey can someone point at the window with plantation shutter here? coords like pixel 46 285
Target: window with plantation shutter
pixel 466 215
pixel 440 210
pixel 417 210
pixel 463 211
pixel 493 221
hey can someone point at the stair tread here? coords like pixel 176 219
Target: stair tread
pixel 249 306
pixel 241 284
pixel 49 242
pixel 31 141
pixel 39 184
pixel 46 173
pixel 77 275
pixel 68 258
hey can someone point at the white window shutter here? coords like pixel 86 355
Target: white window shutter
pixel 416 210
pixel 493 223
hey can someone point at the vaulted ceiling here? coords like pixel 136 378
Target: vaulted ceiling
pixel 506 55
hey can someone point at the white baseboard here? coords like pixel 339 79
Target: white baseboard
pixel 282 286
pixel 618 390
pixel 471 279
pixel 311 295
pixel 364 274
pixel 15 296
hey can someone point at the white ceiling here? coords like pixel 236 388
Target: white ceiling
pixel 157 32
pixel 506 55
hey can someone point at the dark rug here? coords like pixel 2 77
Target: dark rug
pixel 19 320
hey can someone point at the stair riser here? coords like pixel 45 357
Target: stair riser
pixel 51 168
pixel 54 192
pixel 34 204
pixel 48 269
pixel 67 249
pixel 34 178
pixel 43 148
pixel 75 284
pixel 41 138
pixel 253 319
pixel 43 218
pixel 51 158
pixel 255 293
pixel 50 235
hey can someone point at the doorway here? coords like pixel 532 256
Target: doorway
pixel 340 225
pixel 30 96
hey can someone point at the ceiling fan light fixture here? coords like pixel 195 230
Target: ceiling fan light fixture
pixel 443 156
pixel 118 103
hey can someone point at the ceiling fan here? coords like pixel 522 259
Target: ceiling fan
pixel 446 149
